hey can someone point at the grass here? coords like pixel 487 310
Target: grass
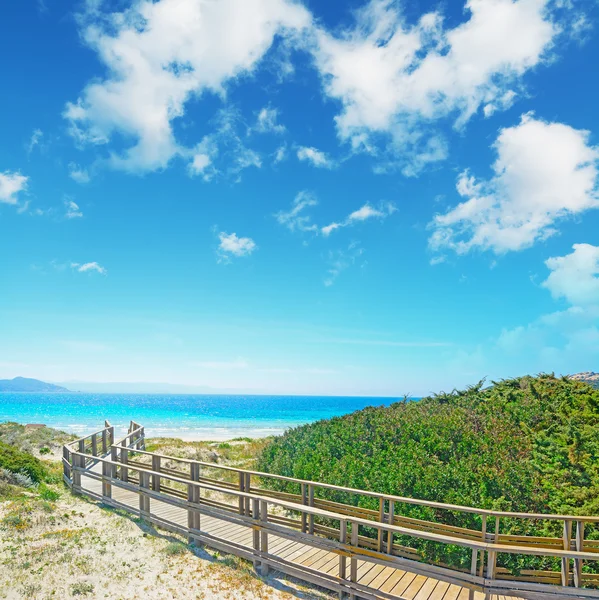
pixel 175 548
pixel 82 589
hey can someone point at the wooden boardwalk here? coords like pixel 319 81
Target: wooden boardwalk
pixel 322 542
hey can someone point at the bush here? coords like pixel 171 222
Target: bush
pixel 45 450
pixel 175 548
pixel 17 461
pixel 524 445
pixel 82 589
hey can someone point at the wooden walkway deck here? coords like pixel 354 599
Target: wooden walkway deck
pixel 396 582
pixel 304 535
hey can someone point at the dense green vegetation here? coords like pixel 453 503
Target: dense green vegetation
pixel 529 444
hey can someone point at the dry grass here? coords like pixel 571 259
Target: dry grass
pixel 67 547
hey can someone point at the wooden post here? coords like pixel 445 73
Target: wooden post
pixel 124 461
pixel 144 500
pixel 482 552
pixel 567 537
pixel 497 530
pixel 77 460
pixel 311 503
pixel 248 487
pixel 264 536
pixel 353 563
pixel 82 449
pixel 104 442
pixel 579 548
pixel 114 461
pixel 391 522
pixel 241 489
pixel 304 502
pixel 156 478
pixel 66 465
pixel 342 557
pixel 106 486
pixel 491 561
pixel 94 445
pixel 111 435
pixel 381 533
pixel 195 495
pixel 256 532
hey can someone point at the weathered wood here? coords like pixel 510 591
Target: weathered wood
pixel 181 491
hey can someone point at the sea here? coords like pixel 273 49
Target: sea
pixel 188 417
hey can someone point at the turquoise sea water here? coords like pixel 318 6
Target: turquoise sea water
pixel 190 417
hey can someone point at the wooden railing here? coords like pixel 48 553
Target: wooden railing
pixel 354 533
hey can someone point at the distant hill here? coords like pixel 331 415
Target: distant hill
pixel 588 377
pixel 23 384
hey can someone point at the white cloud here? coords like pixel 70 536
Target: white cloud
pixel 88 268
pixel 295 219
pixel 232 245
pixel 280 154
pixel 72 209
pixel 340 260
pixel 362 214
pixel 395 79
pixel 78 174
pixel 12 184
pixel 35 140
pixel 314 156
pixel 544 172
pixel 575 276
pixel 161 54
pixel 267 121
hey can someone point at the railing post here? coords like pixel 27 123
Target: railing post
pixel 304 502
pixel 256 532
pixel 353 563
pixel 491 562
pixel 111 435
pixel 124 461
pixel 311 503
pixel 342 557
pixel 380 535
pixel 241 489
pixel 579 548
pixel 156 478
pixel 567 538
pixel 193 495
pixel 106 485
pixel 113 461
pixel 264 537
pixel 144 499
pixel 391 522
pixel 66 465
pixel 248 487
pixel 482 552
pixel 94 445
pixel 104 442
pixel 76 473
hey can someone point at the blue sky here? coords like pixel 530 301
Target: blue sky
pixel 273 196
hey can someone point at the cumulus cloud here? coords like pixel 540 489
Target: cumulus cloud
pixel 267 121
pixel 12 183
pixel 296 219
pixel 395 79
pixel 314 156
pixel 72 209
pixel 544 172
pixel 78 174
pixel 89 267
pixel 158 56
pixel 575 277
pixel 362 214
pixel 232 245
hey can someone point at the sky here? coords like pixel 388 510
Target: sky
pixel 341 197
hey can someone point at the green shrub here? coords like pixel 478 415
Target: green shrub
pixel 524 445
pixel 45 450
pixel 82 589
pixel 48 494
pixel 175 548
pixel 17 461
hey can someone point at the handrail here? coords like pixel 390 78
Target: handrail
pixel 406 500
pixel 433 537
pixel 484 546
